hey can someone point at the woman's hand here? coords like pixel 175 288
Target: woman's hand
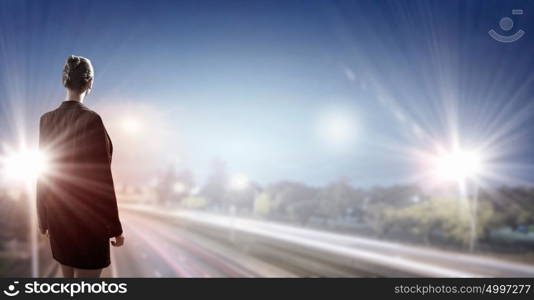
pixel 119 241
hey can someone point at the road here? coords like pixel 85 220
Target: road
pixel 170 243
pixel 160 248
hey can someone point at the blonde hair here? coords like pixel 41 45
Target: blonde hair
pixel 77 73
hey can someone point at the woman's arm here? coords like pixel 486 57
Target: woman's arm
pixel 42 192
pixel 100 158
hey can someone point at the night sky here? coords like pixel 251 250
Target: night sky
pixel 310 91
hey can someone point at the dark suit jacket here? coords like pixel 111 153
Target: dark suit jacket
pixel 76 199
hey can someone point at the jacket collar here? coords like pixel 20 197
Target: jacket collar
pixel 71 103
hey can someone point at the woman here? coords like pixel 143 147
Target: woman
pixel 76 201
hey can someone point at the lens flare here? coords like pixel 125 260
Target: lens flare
pixel 24 165
pixel 458 165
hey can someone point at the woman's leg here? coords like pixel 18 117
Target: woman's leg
pixel 85 273
pixel 68 272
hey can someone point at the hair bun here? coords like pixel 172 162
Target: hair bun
pixel 73 62
pixel 77 73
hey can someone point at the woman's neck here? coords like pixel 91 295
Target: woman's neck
pixel 75 96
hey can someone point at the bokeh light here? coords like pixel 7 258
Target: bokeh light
pixel 337 128
pixel 239 182
pixel 131 126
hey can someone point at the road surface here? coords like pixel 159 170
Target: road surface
pixel 157 247
pixel 165 243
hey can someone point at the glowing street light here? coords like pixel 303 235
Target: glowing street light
pixel 239 182
pixel 179 188
pixel 457 165
pixel 337 128
pixel 25 165
pixel 462 166
pixel 131 126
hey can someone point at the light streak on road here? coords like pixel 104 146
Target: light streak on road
pixel 410 259
pixel 174 252
pixel 175 243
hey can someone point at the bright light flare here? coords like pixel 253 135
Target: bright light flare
pixel 179 188
pixel 24 165
pixel 239 182
pixel 337 128
pixel 131 126
pixel 458 165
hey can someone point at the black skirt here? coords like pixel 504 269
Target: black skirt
pixel 81 250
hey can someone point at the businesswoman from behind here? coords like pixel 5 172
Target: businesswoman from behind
pixel 76 203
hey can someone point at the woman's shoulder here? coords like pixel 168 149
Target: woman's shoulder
pixel 45 116
pixel 93 119
pixel 88 113
pixel 82 114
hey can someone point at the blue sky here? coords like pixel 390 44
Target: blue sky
pixel 249 82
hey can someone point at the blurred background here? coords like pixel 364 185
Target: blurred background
pixel 286 138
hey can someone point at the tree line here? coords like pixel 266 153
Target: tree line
pixel 403 212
